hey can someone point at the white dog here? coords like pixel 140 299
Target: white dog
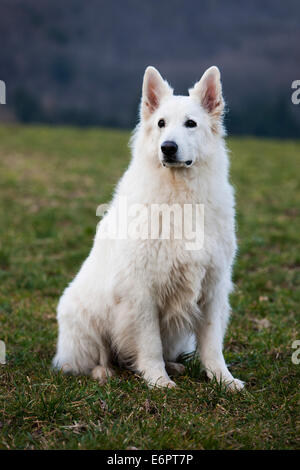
pixel 143 300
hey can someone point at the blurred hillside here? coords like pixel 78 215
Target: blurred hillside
pixel 82 62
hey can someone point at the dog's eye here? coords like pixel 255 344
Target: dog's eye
pixel 161 123
pixel 190 123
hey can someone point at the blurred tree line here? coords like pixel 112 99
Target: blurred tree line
pixel 82 63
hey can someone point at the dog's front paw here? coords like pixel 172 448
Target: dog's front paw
pixel 235 385
pixel 102 374
pixel 162 382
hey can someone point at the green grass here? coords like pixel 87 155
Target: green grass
pixel 52 180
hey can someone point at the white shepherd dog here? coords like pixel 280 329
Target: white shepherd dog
pixel 143 300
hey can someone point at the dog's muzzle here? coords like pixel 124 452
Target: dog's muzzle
pixel 169 151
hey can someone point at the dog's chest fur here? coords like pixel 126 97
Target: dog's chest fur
pixel 177 277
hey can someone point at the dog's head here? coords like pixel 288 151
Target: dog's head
pixel 182 128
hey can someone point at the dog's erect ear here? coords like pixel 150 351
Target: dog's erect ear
pixel 209 92
pixel 155 88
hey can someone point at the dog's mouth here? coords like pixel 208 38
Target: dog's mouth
pixel 177 164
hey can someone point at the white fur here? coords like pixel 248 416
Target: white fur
pixel 146 301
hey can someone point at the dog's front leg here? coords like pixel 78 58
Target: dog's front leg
pixel 150 363
pixel 210 338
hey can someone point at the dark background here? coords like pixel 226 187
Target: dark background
pixel 81 62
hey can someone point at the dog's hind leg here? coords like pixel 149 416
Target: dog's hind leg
pixel 103 371
pixel 85 357
pixel 175 368
pixel 81 350
pixel 175 344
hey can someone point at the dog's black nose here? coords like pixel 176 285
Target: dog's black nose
pixel 169 148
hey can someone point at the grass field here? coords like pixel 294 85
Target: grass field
pixel 52 180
